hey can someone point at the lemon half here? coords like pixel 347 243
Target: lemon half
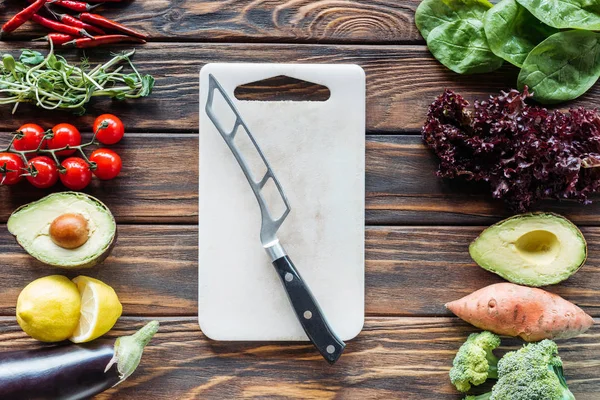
pixel 48 308
pixel 100 309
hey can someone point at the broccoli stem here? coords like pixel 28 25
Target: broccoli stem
pixel 485 396
pixel 492 365
pixel 558 370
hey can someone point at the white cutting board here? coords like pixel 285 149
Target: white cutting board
pixel 317 151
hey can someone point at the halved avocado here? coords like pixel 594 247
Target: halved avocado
pixel 67 230
pixel 535 249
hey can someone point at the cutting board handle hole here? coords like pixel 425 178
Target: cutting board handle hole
pixel 282 88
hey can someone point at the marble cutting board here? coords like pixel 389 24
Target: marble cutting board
pixel 317 151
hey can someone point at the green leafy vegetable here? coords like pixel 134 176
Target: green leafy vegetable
pixel 147 85
pixel 130 80
pixel 562 67
pixel 455 36
pixel 52 83
pixel 432 13
pixel 512 31
pixel 31 57
pixel 473 36
pixel 54 63
pixel 45 84
pixel 462 47
pixel 9 63
pixel 563 14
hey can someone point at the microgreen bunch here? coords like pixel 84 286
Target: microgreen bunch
pixel 52 83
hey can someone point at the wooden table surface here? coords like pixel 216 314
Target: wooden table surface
pixel 418 227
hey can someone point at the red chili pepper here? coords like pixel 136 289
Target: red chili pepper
pixel 22 17
pixel 79 6
pixel 70 20
pixel 57 38
pixel 99 20
pixel 59 27
pixel 84 43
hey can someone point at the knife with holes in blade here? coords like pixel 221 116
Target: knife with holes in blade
pixel 305 305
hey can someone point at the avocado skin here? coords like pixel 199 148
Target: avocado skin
pixel 514 278
pixel 96 260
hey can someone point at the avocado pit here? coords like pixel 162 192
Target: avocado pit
pixel 70 231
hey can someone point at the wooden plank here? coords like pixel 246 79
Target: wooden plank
pixel 153 269
pixel 414 271
pixel 158 183
pixel 305 21
pixel 410 271
pixel 400 358
pixel 402 81
pixel 402 189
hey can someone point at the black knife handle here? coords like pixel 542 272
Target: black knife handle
pixel 308 311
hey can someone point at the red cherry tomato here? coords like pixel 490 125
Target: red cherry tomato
pixel 46 172
pixel 112 133
pixel 13 163
pixel 64 134
pixel 77 175
pixel 108 163
pixel 32 137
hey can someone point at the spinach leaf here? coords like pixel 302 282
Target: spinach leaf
pixel 462 47
pixel 562 67
pixel 512 31
pixel 432 13
pixel 563 14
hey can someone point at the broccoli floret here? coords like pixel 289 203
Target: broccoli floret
pixel 475 363
pixel 532 373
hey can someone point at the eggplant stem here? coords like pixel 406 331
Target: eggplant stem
pixel 129 349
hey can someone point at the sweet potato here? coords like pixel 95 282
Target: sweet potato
pixel 529 313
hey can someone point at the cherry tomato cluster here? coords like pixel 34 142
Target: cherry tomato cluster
pixel 34 155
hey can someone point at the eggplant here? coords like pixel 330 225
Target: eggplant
pixel 72 372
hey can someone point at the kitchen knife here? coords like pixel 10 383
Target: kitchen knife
pixel 305 305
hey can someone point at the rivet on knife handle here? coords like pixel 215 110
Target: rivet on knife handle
pixel 305 305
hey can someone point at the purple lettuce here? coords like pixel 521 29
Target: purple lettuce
pixel 525 153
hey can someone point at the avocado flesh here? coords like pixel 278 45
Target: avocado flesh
pixel 30 225
pixel 531 249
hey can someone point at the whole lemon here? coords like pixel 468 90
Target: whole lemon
pixel 48 308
